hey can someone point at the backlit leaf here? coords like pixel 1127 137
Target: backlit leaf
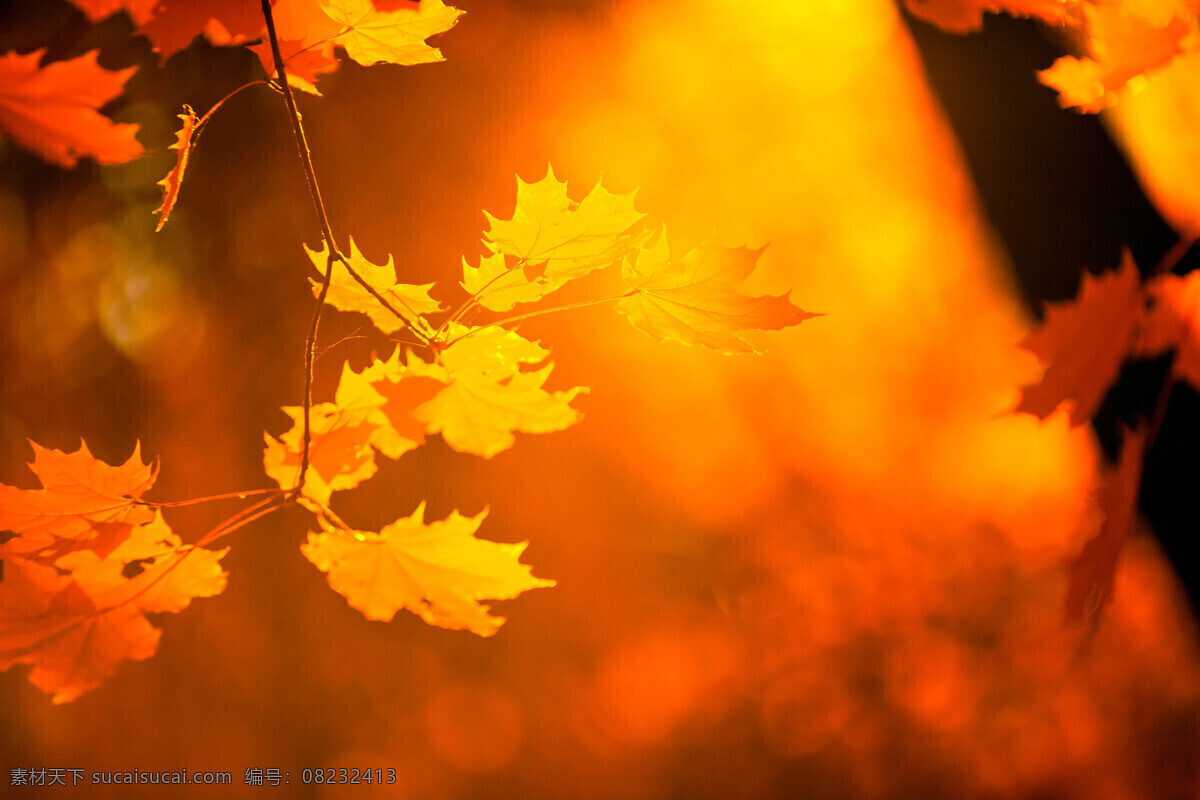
pixel 488 398
pixel 84 503
pixel 570 239
pixel 52 109
pixel 695 300
pixel 347 294
pixel 174 179
pixel 439 570
pixel 76 621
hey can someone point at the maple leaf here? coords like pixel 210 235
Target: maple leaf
pixel 1173 323
pixel 965 16
pixel 83 502
pixel 439 570
pixel 347 294
pixel 76 621
pixel 173 180
pixel 1124 41
pixel 390 37
pixel 1083 343
pixel 339 454
pixel 172 25
pixel 694 299
pixel 569 239
pixel 1091 574
pixel 397 431
pixel 52 109
pixel 309 30
pixel 487 397
pixel 497 287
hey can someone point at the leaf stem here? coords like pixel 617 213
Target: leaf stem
pixel 209 499
pixel 542 312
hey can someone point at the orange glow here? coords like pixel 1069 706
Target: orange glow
pixel 838 567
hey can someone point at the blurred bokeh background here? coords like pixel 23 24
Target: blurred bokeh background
pixel 836 570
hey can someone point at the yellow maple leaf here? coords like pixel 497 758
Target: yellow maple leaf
pixel 488 397
pixel 340 455
pixel 347 294
pixel 694 299
pixel 439 570
pixel 569 239
pixel 390 37
pixel 497 287
pixel 398 393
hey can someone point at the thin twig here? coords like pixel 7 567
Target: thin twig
pixel 208 499
pixel 541 312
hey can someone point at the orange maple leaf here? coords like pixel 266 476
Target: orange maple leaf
pixel 172 25
pixel 1083 343
pixel 173 181
pixel 437 570
pixel 76 621
pixel 1173 323
pixel 84 503
pixel 1124 41
pixel 1092 572
pixel 965 16
pixel 51 109
pixel 694 299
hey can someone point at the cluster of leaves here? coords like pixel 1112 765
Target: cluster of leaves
pixel 85 557
pixel 1121 41
pixel 481 384
pixel 1118 317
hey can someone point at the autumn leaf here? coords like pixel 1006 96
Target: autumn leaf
pixel 172 25
pixel 1124 41
pixel 339 455
pixel 566 240
pixel 1091 574
pixel 390 37
pixel 497 287
pixel 1173 323
pixel 400 394
pixel 695 300
pixel 347 294
pixel 488 397
pixel 439 570
pixel 174 179
pixel 83 502
pixel 1083 342
pixel 965 16
pixel 52 109
pixel 309 30
pixel 76 621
